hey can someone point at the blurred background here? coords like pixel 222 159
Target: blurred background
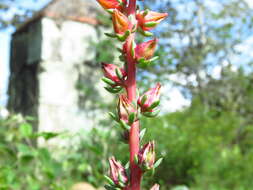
pixel 54 128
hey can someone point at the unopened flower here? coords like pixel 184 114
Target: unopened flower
pixel 150 100
pixel 112 4
pixel 145 51
pixel 113 73
pixel 147 20
pixel 146 156
pixel 155 187
pixel 121 23
pixel 117 173
pixel 126 110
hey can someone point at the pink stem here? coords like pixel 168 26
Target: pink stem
pixel 131 9
pixel 136 173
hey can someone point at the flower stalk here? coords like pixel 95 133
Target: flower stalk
pixel 126 19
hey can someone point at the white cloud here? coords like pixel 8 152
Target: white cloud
pixel 250 3
pixel 173 99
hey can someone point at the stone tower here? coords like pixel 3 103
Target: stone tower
pixel 50 57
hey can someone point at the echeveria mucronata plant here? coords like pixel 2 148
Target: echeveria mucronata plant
pixel 127 21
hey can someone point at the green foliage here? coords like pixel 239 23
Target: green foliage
pixel 24 165
pixel 203 149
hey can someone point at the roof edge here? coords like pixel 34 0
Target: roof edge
pixel 43 13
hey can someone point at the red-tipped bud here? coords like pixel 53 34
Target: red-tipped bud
pixel 146 50
pixel 126 110
pixel 117 173
pixel 146 156
pixel 150 99
pixel 112 4
pixel 147 20
pixel 121 23
pixel 155 187
pixel 114 73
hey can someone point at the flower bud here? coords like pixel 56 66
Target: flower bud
pixel 121 23
pixel 112 4
pixel 150 100
pixel 118 173
pixel 146 156
pixel 126 110
pixel 147 20
pixel 146 50
pixel 155 187
pixel 115 74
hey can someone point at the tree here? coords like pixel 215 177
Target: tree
pixel 12 14
pixel 200 36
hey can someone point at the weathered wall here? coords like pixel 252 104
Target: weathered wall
pixel 65 52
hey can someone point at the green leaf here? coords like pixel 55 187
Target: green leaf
pixel 122 38
pixel 113 116
pixel 154 105
pixel 151 114
pixel 109 187
pixel 25 151
pixel 119 74
pixel 131 118
pixel 154 59
pixel 110 35
pixel 143 100
pixel 124 125
pixel 109 180
pixel 158 162
pixel 113 90
pixel 142 133
pixel 26 130
pixel 145 33
pixel 136 160
pixel 150 24
pixel 47 135
pixel 108 81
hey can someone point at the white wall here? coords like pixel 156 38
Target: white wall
pixel 64 48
